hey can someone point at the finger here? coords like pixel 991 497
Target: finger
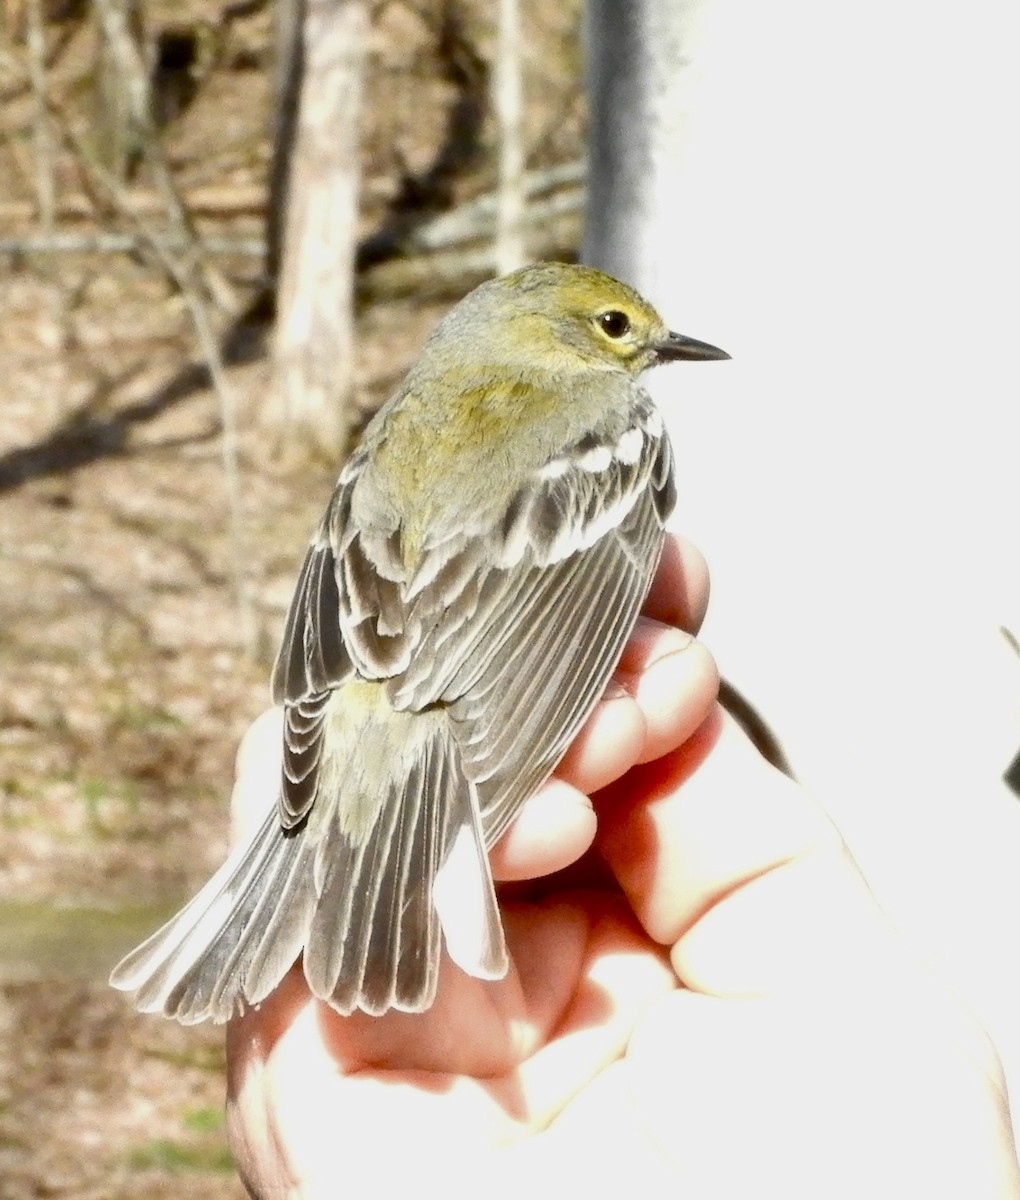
pixel 583 976
pixel 679 591
pixel 732 865
pixel 553 829
pixel 480 1028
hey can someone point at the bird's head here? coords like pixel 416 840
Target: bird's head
pixel 566 317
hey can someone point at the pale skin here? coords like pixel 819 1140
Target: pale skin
pixel 705 999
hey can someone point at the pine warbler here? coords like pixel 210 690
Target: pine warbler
pixel 459 612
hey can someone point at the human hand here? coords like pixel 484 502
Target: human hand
pixel 709 1002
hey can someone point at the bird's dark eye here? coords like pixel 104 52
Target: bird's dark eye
pixel 614 324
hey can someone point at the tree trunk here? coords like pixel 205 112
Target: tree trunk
pixel 510 251
pixel 314 351
pixel 122 86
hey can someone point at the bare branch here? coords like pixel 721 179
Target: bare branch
pixel 127 243
pixel 135 82
pixel 183 276
pixel 547 222
pixel 214 200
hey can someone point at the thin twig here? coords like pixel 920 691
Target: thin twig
pixel 126 243
pixel 181 275
pixel 135 80
pixel 186 275
pixel 230 459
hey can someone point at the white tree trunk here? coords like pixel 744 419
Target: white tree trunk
pixel 510 251
pixel 314 349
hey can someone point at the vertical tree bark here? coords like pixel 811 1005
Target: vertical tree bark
pixel 510 250
pixel 314 359
pixel 41 133
pixel 122 86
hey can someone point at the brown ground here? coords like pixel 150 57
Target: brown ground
pixel 125 685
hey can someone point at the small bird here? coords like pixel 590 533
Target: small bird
pixel 460 610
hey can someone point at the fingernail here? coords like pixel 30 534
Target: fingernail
pixel 615 690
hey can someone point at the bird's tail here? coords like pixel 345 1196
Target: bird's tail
pixel 361 888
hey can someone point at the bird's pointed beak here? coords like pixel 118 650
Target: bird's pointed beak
pixel 676 347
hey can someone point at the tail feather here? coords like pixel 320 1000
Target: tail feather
pixel 415 927
pixel 365 911
pixel 190 968
pixel 380 914
pixel 274 935
pixel 359 884
pixel 465 898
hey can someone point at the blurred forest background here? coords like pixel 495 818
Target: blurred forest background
pixel 158 483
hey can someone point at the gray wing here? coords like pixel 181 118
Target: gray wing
pixel 514 630
pixel 538 689
pixel 523 652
